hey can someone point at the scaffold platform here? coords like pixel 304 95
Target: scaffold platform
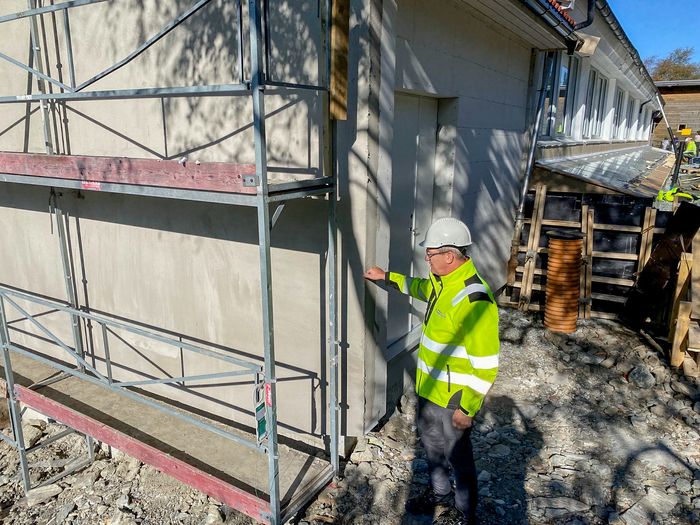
pixel 225 470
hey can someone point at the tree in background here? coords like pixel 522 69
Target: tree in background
pixel 676 66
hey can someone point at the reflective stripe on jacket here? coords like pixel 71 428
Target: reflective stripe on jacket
pixel 458 352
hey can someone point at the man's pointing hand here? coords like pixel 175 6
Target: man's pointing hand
pixel 375 273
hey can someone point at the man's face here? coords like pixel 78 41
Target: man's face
pixel 440 260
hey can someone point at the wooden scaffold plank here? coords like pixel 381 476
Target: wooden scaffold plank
pixel 94 171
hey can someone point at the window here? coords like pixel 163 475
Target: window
pixel 560 91
pixel 642 126
pixel 630 119
pixel 568 74
pixel 617 121
pixel 596 98
pixel 546 125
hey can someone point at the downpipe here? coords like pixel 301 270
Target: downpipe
pixel 519 216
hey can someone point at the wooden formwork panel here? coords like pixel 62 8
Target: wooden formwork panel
pixel 617 238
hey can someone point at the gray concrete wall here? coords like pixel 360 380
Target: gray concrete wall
pixel 193 268
pixel 449 51
pixel 479 73
pixel 188 268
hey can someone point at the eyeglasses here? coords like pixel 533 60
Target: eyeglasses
pixel 429 256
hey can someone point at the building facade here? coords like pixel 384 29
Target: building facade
pixel 441 103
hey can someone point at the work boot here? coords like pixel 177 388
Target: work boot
pixel 424 504
pixel 452 516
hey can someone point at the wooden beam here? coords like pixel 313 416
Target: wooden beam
pixel 682 284
pixel 533 286
pixel 693 336
pixel 680 335
pixel 585 260
pixel 608 297
pixel 588 267
pixel 644 245
pixel 340 44
pixel 94 171
pixel 541 249
pixel 556 223
pixel 612 280
pixel 604 315
pixel 647 238
pixel 616 256
pixel 532 245
pixel 596 278
pixel 617 228
pixel 695 279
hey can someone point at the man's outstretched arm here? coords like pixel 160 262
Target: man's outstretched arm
pixel 413 286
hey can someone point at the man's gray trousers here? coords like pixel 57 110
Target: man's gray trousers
pixel 446 447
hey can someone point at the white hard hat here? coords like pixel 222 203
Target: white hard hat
pixel 447 232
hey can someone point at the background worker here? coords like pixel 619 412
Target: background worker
pixel 457 363
pixel 691 150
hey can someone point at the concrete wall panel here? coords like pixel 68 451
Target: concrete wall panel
pixel 194 268
pixel 191 269
pixel 448 50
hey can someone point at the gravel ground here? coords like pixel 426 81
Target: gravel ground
pixel 587 428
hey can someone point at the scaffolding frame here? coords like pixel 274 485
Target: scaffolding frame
pixel 262 196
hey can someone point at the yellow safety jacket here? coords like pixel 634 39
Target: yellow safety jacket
pixel 458 352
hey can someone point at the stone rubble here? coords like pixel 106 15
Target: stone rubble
pixel 587 428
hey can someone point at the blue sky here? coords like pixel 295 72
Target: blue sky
pixel 657 27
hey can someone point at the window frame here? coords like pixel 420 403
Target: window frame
pixel 631 103
pixel 617 132
pixel 596 100
pixel 600 110
pixel 557 118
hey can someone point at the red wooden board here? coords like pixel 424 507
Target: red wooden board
pixel 93 171
pixel 236 498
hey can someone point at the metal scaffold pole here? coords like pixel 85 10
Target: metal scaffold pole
pixel 71 295
pixel 329 167
pixel 13 404
pixel 257 89
pixel 36 57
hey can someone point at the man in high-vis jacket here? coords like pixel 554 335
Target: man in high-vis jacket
pixel 457 364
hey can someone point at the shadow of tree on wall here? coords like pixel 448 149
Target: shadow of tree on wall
pixel 204 49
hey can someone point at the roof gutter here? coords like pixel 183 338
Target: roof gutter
pixel 614 24
pixel 552 17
